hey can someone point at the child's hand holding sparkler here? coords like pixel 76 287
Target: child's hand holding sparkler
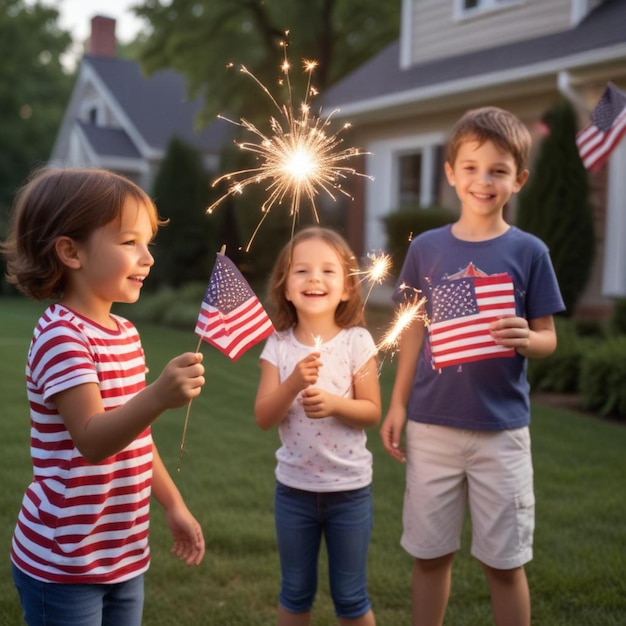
pixel 180 381
pixel 306 372
pixel 274 399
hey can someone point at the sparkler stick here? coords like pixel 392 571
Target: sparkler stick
pixel 298 158
pixel 184 437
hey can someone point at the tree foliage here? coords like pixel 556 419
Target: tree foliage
pixel 185 247
pixel 34 89
pixel 200 37
pixel 555 206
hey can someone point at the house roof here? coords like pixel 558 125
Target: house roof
pixel 109 141
pixel 158 106
pixel 603 29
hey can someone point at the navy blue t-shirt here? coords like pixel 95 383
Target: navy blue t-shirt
pixel 463 379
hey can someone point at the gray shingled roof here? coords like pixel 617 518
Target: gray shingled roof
pixel 158 105
pixel 109 141
pixel 604 27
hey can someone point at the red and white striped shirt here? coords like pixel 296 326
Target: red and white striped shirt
pixel 79 522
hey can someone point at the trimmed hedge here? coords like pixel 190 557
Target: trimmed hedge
pixel 560 372
pixel 603 378
pixel 401 226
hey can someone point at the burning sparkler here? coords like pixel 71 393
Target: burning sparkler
pixel 298 158
pixel 405 315
pixel 378 269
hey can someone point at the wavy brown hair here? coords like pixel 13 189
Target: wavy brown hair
pixel 62 202
pixel 499 126
pixel 349 313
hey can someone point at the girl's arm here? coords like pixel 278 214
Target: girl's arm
pixel 98 434
pixel 186 531
pixel 273 398
pixel 361 411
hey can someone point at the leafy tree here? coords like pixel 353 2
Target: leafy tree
pixel 186 246
pixel 200 37
pixel 554 204
pixel 34 90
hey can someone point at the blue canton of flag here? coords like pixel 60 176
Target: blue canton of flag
pixel 454 298
pixel 231 316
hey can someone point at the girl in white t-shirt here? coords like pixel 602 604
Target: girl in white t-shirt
pixel 319 384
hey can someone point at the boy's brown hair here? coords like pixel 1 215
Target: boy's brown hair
pixel 501 127
pixel 348 313
pixel 62 202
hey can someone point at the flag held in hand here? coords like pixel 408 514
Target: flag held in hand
pixel 607 126
pixel 231 316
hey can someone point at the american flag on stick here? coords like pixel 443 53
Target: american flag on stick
pixel 462 309
pixel 605 130
pixel 231 316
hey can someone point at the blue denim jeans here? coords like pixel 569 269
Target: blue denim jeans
pixel 56 604
pixel 344 519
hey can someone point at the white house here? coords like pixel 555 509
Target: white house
pixel 122 120
pixel 453 55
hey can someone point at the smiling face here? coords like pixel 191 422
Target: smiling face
pixel 485 177
pixel 112 264
pixel 316 280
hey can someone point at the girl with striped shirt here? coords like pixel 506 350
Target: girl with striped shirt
pixel 80 548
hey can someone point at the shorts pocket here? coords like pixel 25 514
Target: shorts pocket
pixel 525 518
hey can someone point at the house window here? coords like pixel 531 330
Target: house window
pixel 469 8
pixel 93 116
pixel 417 177
pixel 410 183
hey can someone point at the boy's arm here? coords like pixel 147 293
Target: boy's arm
pixel 186 531
pixel 533 339
pixel 409 346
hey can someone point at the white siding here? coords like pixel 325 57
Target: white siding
pixel 436 34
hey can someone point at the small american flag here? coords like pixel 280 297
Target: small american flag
pixel 462 310
pixel 608 124
pixel 231 317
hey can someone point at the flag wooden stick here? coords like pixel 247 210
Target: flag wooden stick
pixel 182 442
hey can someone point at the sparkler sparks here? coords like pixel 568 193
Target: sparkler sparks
pixel 298 158
pixel 378 269
pixel 405 315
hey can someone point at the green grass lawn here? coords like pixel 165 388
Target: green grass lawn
pixel 227 477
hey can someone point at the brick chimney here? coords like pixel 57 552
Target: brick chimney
pixel 102 40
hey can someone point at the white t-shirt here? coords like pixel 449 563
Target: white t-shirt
pixel 322 455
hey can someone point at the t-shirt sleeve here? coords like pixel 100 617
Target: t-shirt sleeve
pixel 363 348
pixel 60 359
pixel 544 296
pixel 270 350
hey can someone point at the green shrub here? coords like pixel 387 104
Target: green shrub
pixel 560 372
pixel 554 205
pixel 618 319
pixel 591 328
pixel 603 378
pixel 401 226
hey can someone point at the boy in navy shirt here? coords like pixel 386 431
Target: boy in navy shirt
pixel 461 387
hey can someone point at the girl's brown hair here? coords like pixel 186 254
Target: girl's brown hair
pixel 501 127
pixel 348 313
pixel 62 202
